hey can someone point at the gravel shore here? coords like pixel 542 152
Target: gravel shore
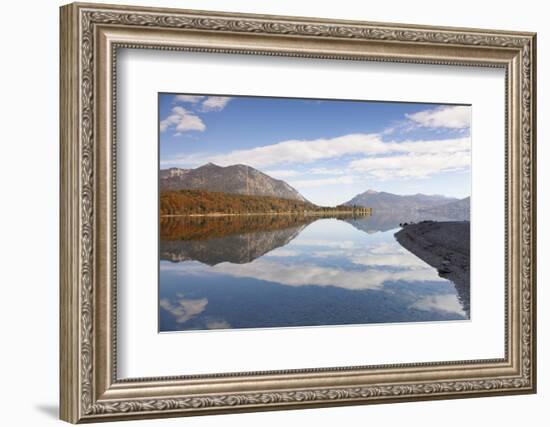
pixel 446 247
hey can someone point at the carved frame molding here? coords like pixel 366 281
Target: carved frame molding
pixel 90 36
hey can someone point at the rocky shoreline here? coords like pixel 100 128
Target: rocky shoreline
pixel 446 247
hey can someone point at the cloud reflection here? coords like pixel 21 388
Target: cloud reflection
pixel 447 303
pixel 317 275
pixel 304 275
pixel 299 265
pixel 398 259
pixel 184 309
pixel 310 278
pixel 217 324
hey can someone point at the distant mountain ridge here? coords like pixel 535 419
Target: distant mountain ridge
pixel 390 210
pixel 458 209
pixel 381 201
pixel 247 181
pixel 235 179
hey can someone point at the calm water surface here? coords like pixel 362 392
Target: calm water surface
pixel 259 272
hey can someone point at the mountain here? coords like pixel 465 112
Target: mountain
pixel 199 202
pixel 236 179
pixel 458 210
pixel 381 201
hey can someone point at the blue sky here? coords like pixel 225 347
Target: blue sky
pixel 328 150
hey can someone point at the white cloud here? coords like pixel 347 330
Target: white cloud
pixel 193 99
pixel 282 173
pixel 433 146
pixel 456 117
pixel 189 160
pixel 412 165
pixel 207 103
pixel 381 159
pixel 321 182
pixel 373 157
pixel 289 173
pixel 416 159
pixel 182 120
pixel 325 171
pixel 215 103
pixel 304 151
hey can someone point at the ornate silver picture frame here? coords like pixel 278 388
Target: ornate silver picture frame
pixel 91 36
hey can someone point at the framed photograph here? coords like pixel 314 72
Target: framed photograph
pixel 266 212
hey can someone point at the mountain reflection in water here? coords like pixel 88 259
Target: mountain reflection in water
pixel 261 271
pixel 236 239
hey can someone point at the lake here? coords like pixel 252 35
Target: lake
pixel 273 271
